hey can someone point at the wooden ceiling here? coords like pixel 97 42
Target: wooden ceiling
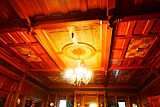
pixel 35 37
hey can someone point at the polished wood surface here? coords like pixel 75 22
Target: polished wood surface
pixel 119 41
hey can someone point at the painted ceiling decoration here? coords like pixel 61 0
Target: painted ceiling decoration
pixel 139 47
pixel 87 49
pixel 81 51
pixel 27 53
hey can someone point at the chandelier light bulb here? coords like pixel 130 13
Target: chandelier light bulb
pixel 78 75
pixel 68 73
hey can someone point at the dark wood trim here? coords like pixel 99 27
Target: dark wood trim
pixel 20 73
pixel 128 67
pixel 147 82
pixel 73 16
pixel 136 36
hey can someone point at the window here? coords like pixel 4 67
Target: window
pixel 121 104
pixel 93 105
pixel 62 103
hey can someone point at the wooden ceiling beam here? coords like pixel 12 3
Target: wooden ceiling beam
pixel 46 70
pixel 13 25
pixel 148 84
pixel 41 21
pixel 20 73
pixel 11 67
pixel 90 92
pixel 125 48
pixel 89 86
pixel 43 39
pixel 156 72
pixel 108 92
pixel 73 16
pixel 156 63
pixel 9 74
pixel 128 67
pixel 134 58
pixel 58 70
pixel 21 44
pixel 156 41
pixel 103 34
pixel 148 73
pixel 151 49
pixel 141 17
pixel 64 24
pixel 11 60
pixel 106 45
pixel 135 36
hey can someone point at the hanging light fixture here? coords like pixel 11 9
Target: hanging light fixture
pixel 78 75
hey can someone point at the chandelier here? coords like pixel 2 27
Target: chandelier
pixel 78 75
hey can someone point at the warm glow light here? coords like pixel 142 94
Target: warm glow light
pixel 78 75
pixel 93 105
pixel 134 105
pixel 52 104
pixel 18 101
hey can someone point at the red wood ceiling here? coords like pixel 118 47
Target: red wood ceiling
pixel 135 50
pixel 134 43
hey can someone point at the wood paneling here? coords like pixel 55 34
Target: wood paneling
pixel 35 37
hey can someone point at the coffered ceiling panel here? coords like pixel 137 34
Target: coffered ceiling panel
pixel 27 53
pixel 139 47
pixel 134 42
pixel 88 47
pixel 119 44
pixel 127 76
pixel 24 48
pixel 45 37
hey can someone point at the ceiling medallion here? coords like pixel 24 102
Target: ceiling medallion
pixel 78 51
